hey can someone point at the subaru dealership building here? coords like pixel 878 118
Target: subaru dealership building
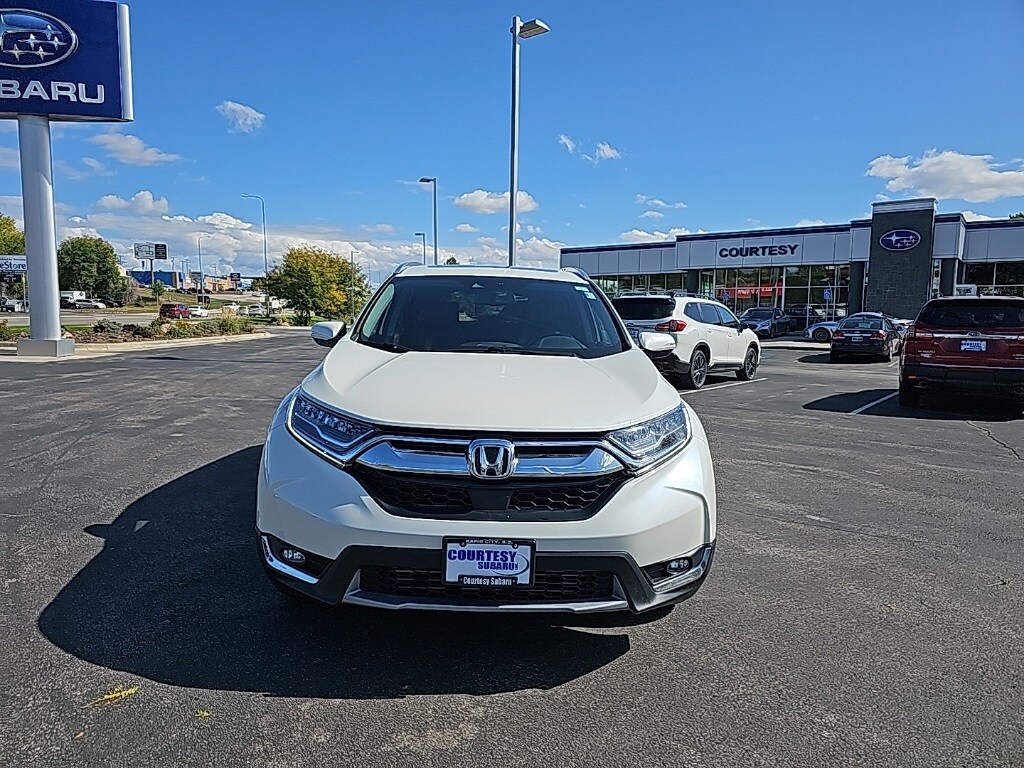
pixel 893 262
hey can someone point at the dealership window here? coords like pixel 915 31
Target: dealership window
pixel 1004 278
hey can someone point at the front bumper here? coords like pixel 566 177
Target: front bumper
pixel 964 379
pixel 307 503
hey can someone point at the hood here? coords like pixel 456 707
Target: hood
pixel 491 392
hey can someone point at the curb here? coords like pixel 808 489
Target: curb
pixel 138 346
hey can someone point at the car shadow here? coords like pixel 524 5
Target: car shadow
pixel 934 407
pixel 823 359
pixel 177 595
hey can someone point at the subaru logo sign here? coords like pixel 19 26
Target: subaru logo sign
pixel 32 39
pixel 899 240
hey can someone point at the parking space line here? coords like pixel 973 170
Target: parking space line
pixel 880 400
pixel 723 386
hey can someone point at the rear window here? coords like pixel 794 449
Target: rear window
pixel 644 309
pixel 973 313
pixel 861 324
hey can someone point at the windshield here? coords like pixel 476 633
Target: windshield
pixel 973 313
pixel 861 324
pixel 758 313
pixel 455 313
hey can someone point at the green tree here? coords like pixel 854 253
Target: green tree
pixel 12 239
pixel 317 282
pixel 451 260
pixel 1019 215
pixel 159 289
pixel 87 263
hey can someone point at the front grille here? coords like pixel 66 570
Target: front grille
pixel 548 586
pixel 418 495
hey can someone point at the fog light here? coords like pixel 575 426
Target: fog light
pixel 293 556
pixel 678 566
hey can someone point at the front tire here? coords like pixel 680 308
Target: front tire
pixel 749 369
pixel 821 335
pixel 697 373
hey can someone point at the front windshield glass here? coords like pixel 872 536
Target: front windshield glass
pixel 758 313
pixel 469 313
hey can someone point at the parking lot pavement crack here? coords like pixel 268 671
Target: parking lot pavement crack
pixel 987 432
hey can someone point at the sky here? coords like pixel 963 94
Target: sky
pixel 639 121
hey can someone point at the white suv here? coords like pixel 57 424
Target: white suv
pixel 487 439
pixel 708 337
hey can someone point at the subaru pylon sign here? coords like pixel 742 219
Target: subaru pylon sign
pixel 65 60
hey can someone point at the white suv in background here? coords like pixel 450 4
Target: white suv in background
pixel 487 439
pixel 708 336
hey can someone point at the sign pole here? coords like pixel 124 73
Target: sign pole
pixel 40 240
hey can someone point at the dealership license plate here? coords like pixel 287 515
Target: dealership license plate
pixel 973 346
pixel 488 562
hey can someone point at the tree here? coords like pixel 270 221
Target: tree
pixel 12 239
pixel 159 289
pixel 1019 215
pixel 317 282
pixel 451 260
pixel 87 263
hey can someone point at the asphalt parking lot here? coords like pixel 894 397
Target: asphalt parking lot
pixel 864 607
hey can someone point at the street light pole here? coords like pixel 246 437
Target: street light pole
pixel 352 276
pixel 423 237
pixel 201 291
pixel 525 31
pixel 266 261
pixel 433 180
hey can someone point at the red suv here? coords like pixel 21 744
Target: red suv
pixel 175 311
pixel 969 344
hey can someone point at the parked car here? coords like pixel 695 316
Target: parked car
pixel 822 331
pixel 89 304
pixel 766 321
pixel 111 302
pixel 175 311
pixel 543 466
pixel 66 303
pixel 865 334
pixel 197 310
pixel 708 337
pixel 8 304
pixel 970 344
pixel 255 310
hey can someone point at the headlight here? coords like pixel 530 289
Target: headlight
pixel 653 440
pixel 329 431
pixel 762 325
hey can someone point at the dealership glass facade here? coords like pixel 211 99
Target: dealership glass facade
pixel 1000 278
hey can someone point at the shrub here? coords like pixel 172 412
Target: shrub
pixel 11 334
pixel 138 331
pixel 108 326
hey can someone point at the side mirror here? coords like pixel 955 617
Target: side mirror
pixel 327 334
pixel 657 342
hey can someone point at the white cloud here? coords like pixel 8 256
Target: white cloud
pixel 656 202
pixel 972 216
pixel 131 150
pixel 224 221
pixel 652 215
pixel 466 228
pixel 606 151
pixel 143 203
pixel 179 217
pixel 378 229
pixel 242 119
pixel 948 174
pixel 10 159
pixel 533 230
pixel 567 142
pixel 810 223
pixel 480 201
pixel 640 236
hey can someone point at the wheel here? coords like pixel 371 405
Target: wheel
pixel 909 397
pixel 697 374
pixel 834 357
pixel 821 335
pixel 749 369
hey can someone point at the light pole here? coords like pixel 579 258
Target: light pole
pixel 423 237
pixel 266 262
pixel 524 30
pixel 433 181
pixel 201 290
pixel 352 276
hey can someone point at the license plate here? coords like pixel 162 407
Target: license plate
pixel 856 338
pixel 488 562
pixel 973 346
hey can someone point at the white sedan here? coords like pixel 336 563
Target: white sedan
pixel 198 311
pixel 89 304
pixel 255 310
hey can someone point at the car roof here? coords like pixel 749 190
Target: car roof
pixel 489 270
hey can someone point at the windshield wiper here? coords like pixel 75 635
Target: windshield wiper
pixel 387 346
